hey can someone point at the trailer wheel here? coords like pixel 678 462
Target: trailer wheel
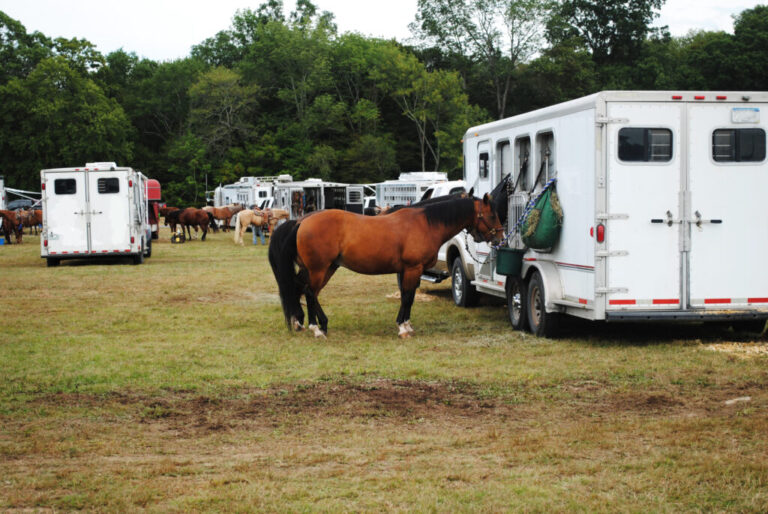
pixel 464 294
pixel 518 315
pixel 51 262
pixel 542 323
pixel 138 258
pixel 148 252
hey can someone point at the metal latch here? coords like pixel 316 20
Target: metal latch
pixel 603 121
pixel 699 221
pixel 610 290
pixel 606 216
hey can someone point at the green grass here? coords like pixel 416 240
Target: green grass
pixel 175 386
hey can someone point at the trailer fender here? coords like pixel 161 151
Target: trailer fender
pixel 553 288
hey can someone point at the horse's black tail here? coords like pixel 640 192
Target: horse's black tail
pixel 282 257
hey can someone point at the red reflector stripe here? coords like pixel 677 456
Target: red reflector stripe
pixel 105 251
pixel 116 251
pixel 717 300
pixel 677 97
pixel 699 97
pixel 665 301
pixel 530 259
pixel 126 251
pixel 622 302
pixel 757 300
pixel 53 253
pixel 583 301
pixel 720 97
pixel 64 252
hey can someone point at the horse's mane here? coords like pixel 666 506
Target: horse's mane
pixel 422 203
pixel 449 211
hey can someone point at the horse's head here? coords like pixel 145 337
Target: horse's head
pixel 487 226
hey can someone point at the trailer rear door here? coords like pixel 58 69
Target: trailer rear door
pixel 110 211
pixel 644 176
pixel 66 213
pixel 728 178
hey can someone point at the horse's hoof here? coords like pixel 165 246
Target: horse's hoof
pixel 403 331
pixel 298 327
pixel 318 333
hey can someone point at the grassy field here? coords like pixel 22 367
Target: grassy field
pixel 175 386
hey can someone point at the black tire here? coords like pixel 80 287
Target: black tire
pixel 518 314
pixel 51 262
pixel 751 326
pixel 541 322
pixel 464 294
pixel 148 251
pixel 155 235
pixel 138 258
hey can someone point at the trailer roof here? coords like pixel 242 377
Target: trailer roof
pixel 589 102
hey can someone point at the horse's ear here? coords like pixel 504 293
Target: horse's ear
pixel 486 199
pixel 471 191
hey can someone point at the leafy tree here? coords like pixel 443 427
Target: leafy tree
pixel 498 35
pixel 613 30
pixel 20 52
pixel 56 117
pixel 221 107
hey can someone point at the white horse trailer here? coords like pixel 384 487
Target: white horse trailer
pixel 3 201
pixel 408 188
pixel 99 210
pixel 661 194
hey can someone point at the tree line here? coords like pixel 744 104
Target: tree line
pixel 287 93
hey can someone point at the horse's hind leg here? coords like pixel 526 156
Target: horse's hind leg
pixel 408 282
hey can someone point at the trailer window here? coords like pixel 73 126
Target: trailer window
pixel 738 145
pixel 108 186
pixel 645 145
pixel 483 165
pixel 65 186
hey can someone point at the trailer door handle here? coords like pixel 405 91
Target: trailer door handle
pixel 657 220
pixel 699 220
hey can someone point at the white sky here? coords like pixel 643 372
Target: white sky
pixel 167 29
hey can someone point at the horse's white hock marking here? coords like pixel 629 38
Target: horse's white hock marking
pixel 316 330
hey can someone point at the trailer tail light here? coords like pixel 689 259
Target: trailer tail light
pixel 133 239
pixel 600 233
pixel 130 183
pixel 42 186
pixel 45 243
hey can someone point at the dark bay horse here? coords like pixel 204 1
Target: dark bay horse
pixel 10 224
pixel 403 242
pixel 190 217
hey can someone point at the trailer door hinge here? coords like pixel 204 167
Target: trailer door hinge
pixel 604 121
pixel 610 290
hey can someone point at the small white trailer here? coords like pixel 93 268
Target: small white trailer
pixel 408 188
pixel 664 217
pixel 99 210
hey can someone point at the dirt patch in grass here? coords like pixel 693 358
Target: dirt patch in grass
pixel 391 401
pixel 741 350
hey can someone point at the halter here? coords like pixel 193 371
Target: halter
pixel 492 231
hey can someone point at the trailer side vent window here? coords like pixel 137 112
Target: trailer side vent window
pixel 645 145
pixel 483 165
pixel 108 186
pixel 738 145
pixel 65 186
pixel 355 196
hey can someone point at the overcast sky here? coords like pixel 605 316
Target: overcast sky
pixel 167 29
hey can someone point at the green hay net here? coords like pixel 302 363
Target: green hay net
pixel 541 228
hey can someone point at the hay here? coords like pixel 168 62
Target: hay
pixel 532 222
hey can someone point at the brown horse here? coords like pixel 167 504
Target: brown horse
pixel 225 213
pixel 10 224
pixel 190 217
pixel 245 219
pixel 32 219
pixel 275 216
pixel 403 242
